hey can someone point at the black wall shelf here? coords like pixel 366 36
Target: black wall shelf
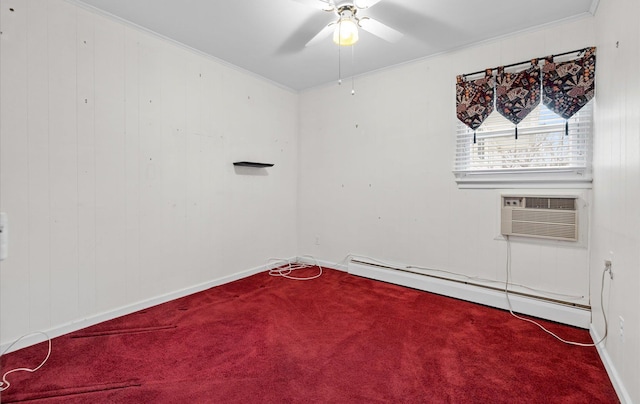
pixel 252 164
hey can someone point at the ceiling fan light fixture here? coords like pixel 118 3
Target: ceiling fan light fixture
pixel 346 32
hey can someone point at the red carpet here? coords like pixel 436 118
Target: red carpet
pixel 336 339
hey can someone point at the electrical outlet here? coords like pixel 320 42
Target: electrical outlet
pixel 607 267
pixel 317 240
pixel 621 322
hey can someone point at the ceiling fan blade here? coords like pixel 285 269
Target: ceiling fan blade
pixel 365 3
pixel 325 32
pixel 380 30
pixel 325 5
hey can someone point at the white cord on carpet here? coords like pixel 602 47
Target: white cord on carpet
pixel 506 292
pixel 4 384
pixel 288 267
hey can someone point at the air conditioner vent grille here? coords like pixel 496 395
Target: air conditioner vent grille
pixel 548 230
pixel 543 216
pixel 551 203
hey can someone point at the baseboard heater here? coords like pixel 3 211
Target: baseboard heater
pixel 577 315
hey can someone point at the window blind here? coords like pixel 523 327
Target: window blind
pixel 542 144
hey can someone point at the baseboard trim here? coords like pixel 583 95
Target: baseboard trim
pixel 76 325
pixel 575 316
pixel 618 385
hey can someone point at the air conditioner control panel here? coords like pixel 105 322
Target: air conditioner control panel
pixel 513 201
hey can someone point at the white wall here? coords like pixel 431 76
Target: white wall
pixel 116 153
pixel 115 170
pixel 376 172
pixel 616 186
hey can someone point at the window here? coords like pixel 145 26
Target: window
pixel 543 154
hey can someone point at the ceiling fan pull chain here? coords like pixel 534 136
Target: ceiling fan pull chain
pixel 353 71
pixel 339 61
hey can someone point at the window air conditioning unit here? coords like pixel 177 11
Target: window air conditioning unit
pixel 540 216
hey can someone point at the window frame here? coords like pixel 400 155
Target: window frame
pixel 576 176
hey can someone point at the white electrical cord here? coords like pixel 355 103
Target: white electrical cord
pixel 4 384
pixel 350 257
pixel 506 292
pixel 479 279
pixel 288 267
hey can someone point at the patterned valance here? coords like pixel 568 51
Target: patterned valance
pixel 566 87
pixel 474 100
pixel 517 94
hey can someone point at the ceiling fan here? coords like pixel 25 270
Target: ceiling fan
pixel 345 28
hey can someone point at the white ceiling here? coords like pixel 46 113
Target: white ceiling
pixel 268 37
